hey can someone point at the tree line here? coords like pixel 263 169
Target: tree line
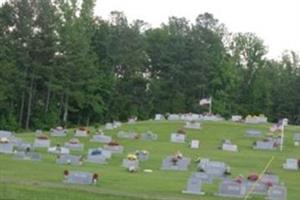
pixel 62 65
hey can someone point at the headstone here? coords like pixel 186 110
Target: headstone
pixel 130 164
pixel 192 125
pixel 21 155
pixel 213 168
pixel 159 117
pixel 232 189
pixel 68 160
pixel 127 135
pixel 181 164
pixel 99 156
pixel 253 133
pixel 173 117
pixel 258 188
pixel 297 137
pixel 177 138
pixel 114 149
pixel 277 193
pixel 190 117
pixel 142 155
pixel 5 134
pixel 270 179
pixel 109 126
pixel 117 124
pixel 204 177
pixel 195 144
pixel 41 143
pixel 256 119
pixel 6 148
pixel 265 145
pixel 22 146
pixel 58 150
pixel 229 147
pixel 101 138
pixel 58 132
pixel 291 164
pixel 132 120
pixel 74 144
pixel 81 132
pixel 193 187
pixel 76 177
pixel 236 118
pixel 149 136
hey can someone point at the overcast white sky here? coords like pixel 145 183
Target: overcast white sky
pixel 277 22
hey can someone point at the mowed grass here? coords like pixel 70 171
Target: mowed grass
pixel 43 180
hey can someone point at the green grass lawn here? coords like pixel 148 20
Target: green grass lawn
pixel 43 180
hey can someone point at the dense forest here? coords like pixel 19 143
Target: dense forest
pixel 62 65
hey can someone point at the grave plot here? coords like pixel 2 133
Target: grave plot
pixel 6 147
pixel 176 162
pixel 194 186
pixel 74 144
pixel 114 147
pixel 58 150
pixel 127 135
pixel 149 136
pixel 204 177
pixel 41 141
pixel 69 160
pixel 78 177
pixel 195 144
pixel 98 156
pixel 142 155
pixel 81 132
pixel 277 192
pixel 178 137
pixel 291 164
pixel 58 132
pixel 229 188
pixel 24 155
pixel 228 146
pixel 101 138
pixel 192 125
pixel 5 134
pixel 266 144
pixel 159 117
pixel 131 163
pixel 214 168
pixel 253 133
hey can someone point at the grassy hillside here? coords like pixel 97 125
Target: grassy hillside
pixel 43 180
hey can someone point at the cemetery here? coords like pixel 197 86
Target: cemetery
pixel 58 132
pixel 211 177
pixel 192 125
pixel 41 141
pixel 81 132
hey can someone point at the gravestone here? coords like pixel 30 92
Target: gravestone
pixel 173 117
pixel 6 148
pixel 127 135
pixel 229 147
pixel 68 160
pixel 117 124
pixel 22 146
pixel 75 177
pixel 277 193
pixel 99 156
pixel 109 126
pixel 192 125
pixel 58 150
pixel 74 144
pixel 232 189
pixel 236 118
pixel 41 143
pixel 130 164
pixel 5 134
pixel 159 117
pixel 195 144
pixel 297 137
pixel 132 120
pixel 101 138
pixel 181 164
pixel 265 145
pixel 213 168
pixel 204 177
pixel 258 188
pixel 193 187
pixel 58 132
pixel 178 138
pixel 253 133
pixel 149 136
pixel 21 155
pixel 81 132
pixel 142 155
pixel 291 164
pixel 270 178
pixel 114 149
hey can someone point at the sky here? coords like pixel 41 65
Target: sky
pixel 277 22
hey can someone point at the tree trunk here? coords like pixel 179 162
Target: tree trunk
pixel 48 99
pixel 22 109
pixel 29 103
pixel 88 121
pixel 66 110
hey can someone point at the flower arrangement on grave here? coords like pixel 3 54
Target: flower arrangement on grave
pixel 178 156
pixel 74 141
pixel 269 184
pixel 239 179
pixel 95 178
pixel 131 157
pixel 181 131
pixel 66 173
pixel 253 177
pixel 4 140
pixel 113 143
pixel 84 129
pixel 42 137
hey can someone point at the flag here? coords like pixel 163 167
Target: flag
pixel 205 101
pixel 278 126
